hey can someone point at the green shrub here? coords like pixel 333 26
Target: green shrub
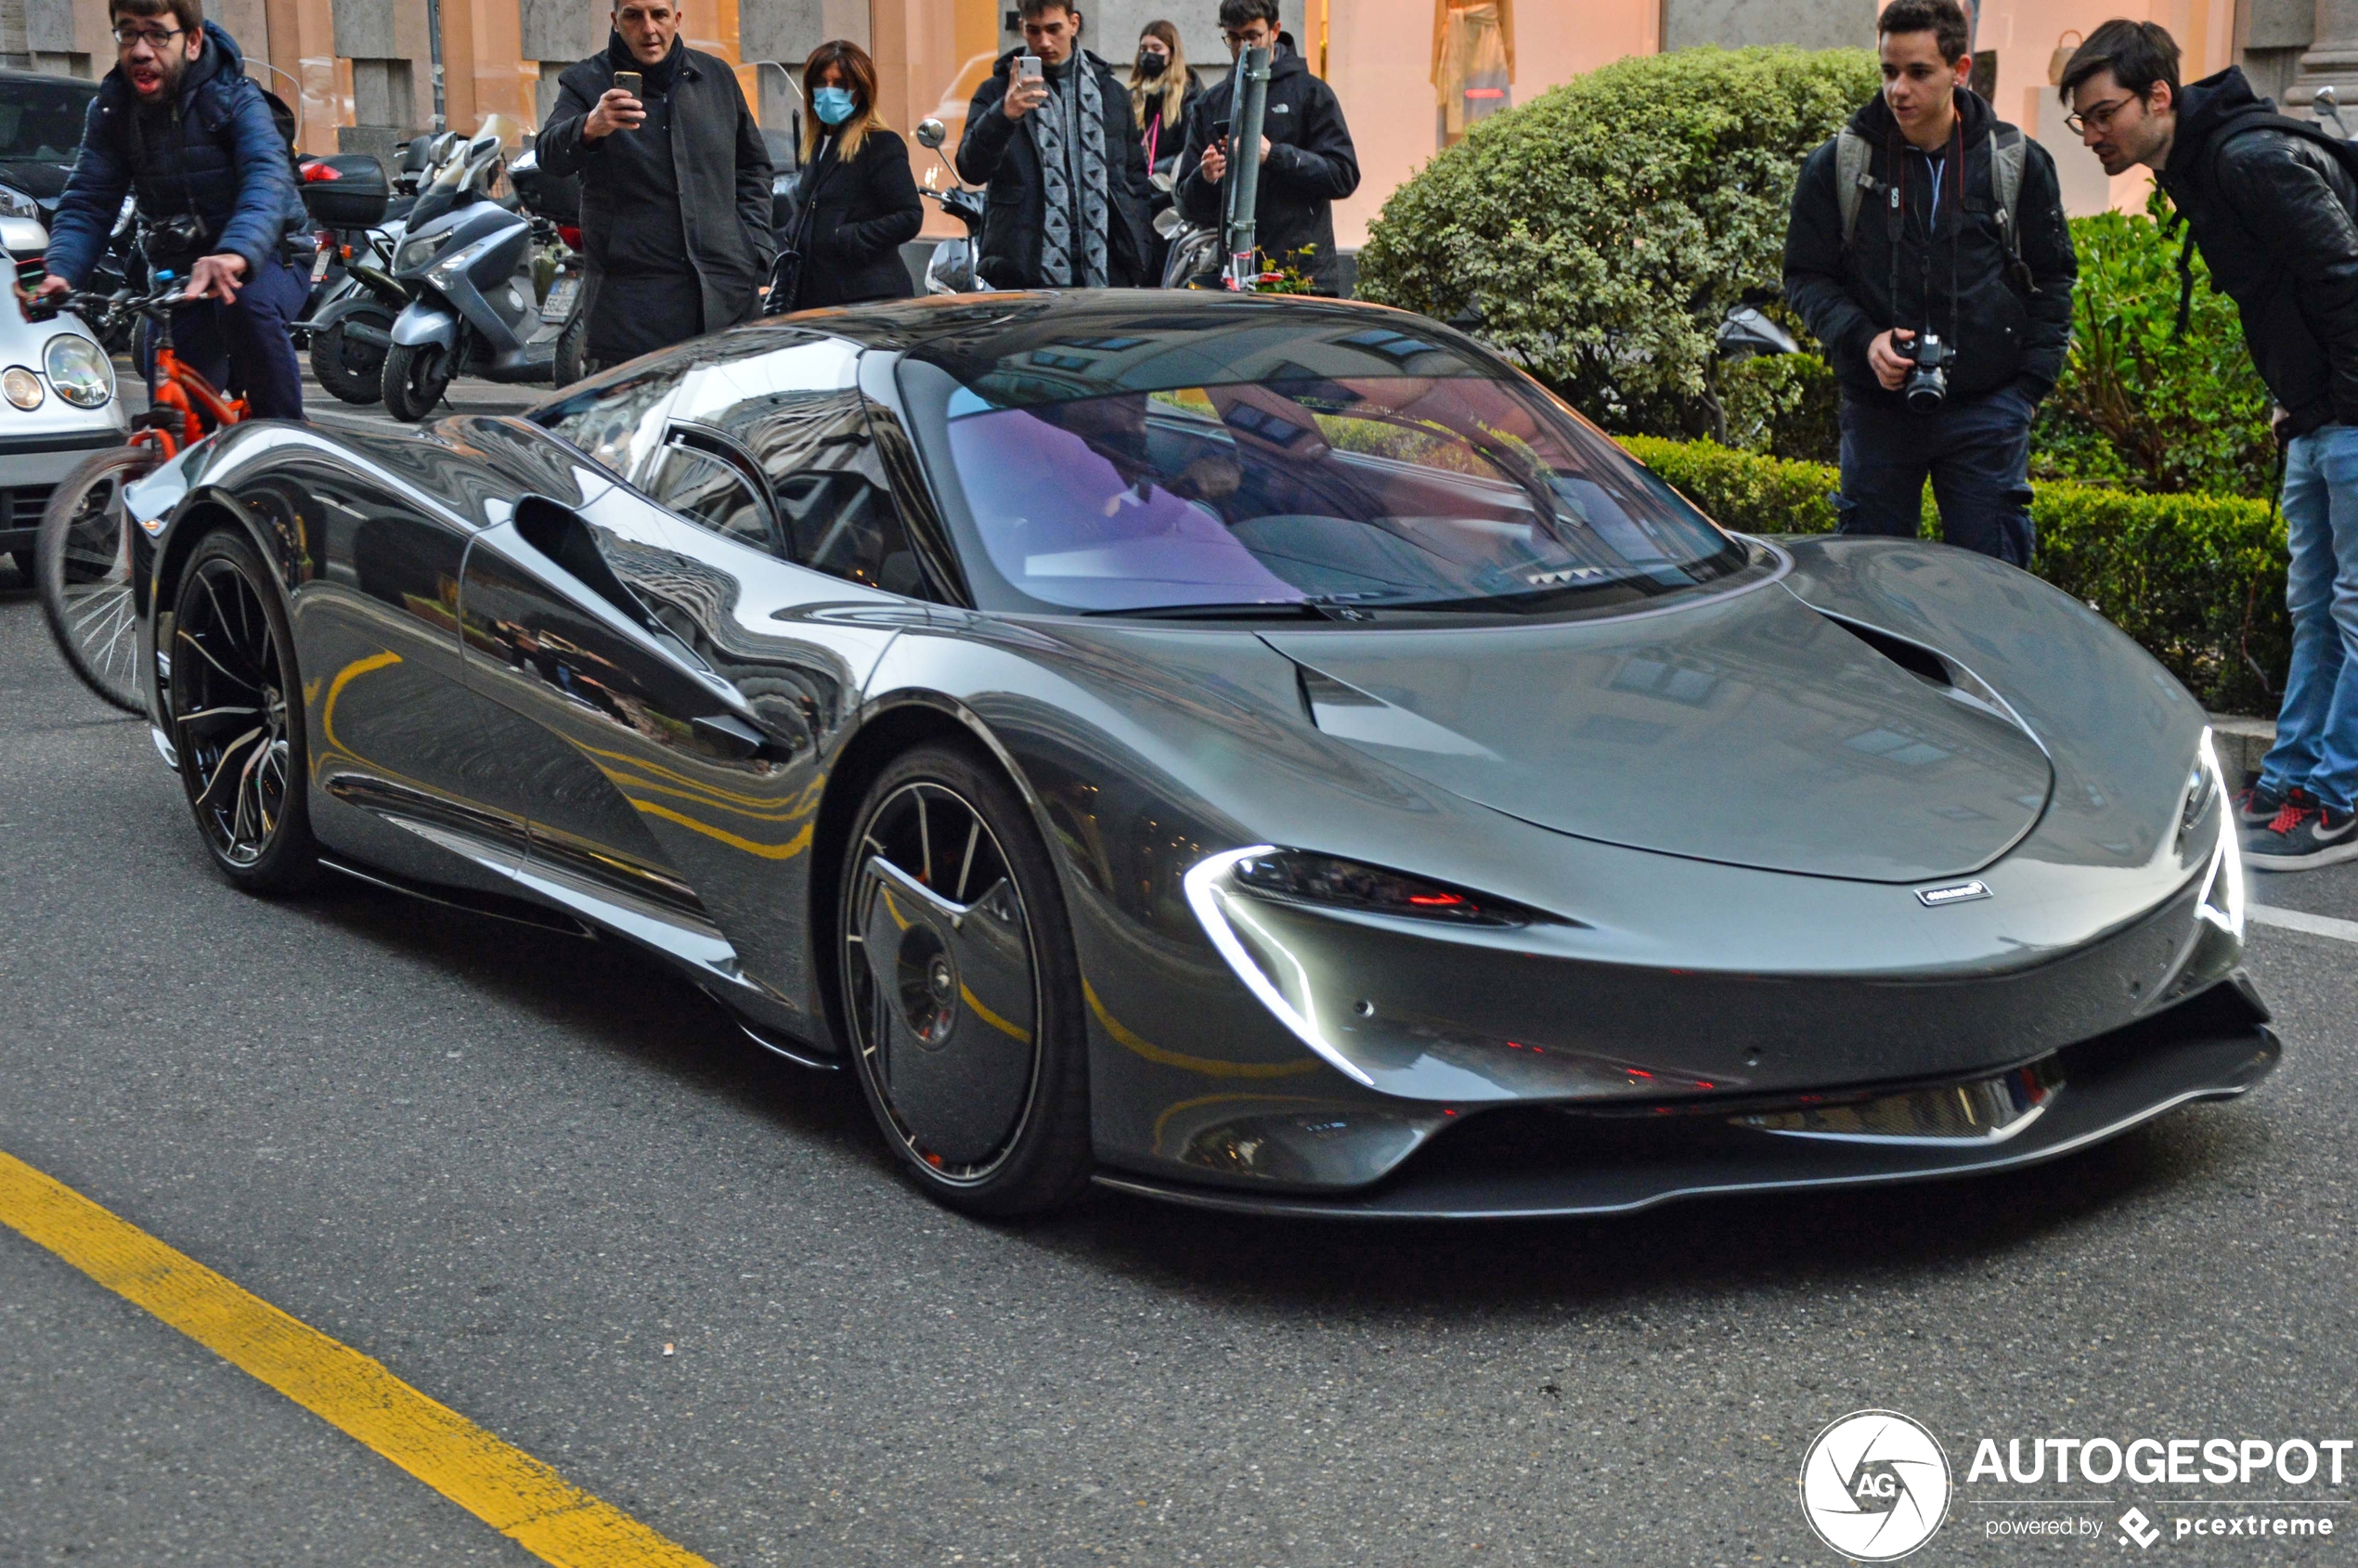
pixel 1604 229
pixel 1784 404
pixel 2140 406
pixel 2198 581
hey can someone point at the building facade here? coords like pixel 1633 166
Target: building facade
pixel 1412 74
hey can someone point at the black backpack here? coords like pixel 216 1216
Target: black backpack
pixel 2264 116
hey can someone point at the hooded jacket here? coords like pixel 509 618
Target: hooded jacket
pixel 714 180
pixel 1312 165
pixel 2271 212
pixel 2004 333
pixel 217 154
pixel 995 154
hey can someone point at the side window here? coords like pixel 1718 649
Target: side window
pixel 704 482
pixel 835 504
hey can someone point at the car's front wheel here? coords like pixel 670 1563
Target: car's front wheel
pixel 235 705
pixel 961 990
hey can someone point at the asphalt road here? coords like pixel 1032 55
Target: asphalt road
pixel 514 1166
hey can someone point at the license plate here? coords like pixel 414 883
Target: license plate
pixel 559 303
pixel 319 264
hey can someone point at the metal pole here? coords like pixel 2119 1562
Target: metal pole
pixel 1249 107
pixel 433 46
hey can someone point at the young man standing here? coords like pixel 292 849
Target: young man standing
pixel 1308 160
pixel 1061 155
pixel 2270 201
pixel 1928 218
pixel 178 120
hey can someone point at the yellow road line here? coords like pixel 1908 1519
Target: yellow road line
pixel 505 1487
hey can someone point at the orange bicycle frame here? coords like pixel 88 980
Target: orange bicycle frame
pixel 200 405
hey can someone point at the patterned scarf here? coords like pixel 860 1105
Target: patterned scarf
pixel 1072 165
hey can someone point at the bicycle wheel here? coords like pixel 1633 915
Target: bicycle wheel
pixel 82 564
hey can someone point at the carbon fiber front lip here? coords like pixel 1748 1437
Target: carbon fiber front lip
pixel 2101 1099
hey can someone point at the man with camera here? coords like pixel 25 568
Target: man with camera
pixel 1928 253
pixel 1051 133
pixel 675 186
pixel 2272 204
pixel 1308 160
pixel 178 120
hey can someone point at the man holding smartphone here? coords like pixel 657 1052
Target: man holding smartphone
pixel 1308 160
pixel 1051 133
pixel 675 187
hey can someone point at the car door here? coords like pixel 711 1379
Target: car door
pixel 686 676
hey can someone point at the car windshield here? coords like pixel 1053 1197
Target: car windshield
pixel 1334 484
pixel 42 122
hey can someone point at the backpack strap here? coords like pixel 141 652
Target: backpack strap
pixel 1854 160
pixel 2009 150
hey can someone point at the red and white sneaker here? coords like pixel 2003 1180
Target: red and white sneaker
pixel 2302 837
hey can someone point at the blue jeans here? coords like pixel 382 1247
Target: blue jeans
pixel 1977 454
pixel 2317 724
pixel 244 347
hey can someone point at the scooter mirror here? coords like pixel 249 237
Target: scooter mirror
pixel 931 132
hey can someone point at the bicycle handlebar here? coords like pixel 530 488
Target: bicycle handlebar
pixel 83 303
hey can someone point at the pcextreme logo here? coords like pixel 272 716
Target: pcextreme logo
pixel 1875 1485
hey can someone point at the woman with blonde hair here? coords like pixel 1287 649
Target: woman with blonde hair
pixel 1163 89
pixel 857 204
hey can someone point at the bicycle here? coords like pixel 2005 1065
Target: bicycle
pixel 81 556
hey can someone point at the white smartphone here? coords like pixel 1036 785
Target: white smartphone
pixel 1028 66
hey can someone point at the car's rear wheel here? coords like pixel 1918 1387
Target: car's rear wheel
pixel 416 376
pixel 961 990
pixel 235 705
pixel 82 564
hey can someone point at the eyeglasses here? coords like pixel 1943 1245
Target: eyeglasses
pixel 1256 39
pixel 153 37
pixel 2099 115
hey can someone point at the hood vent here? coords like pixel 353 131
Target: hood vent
pixel 1913 657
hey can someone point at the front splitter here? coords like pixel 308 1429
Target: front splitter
pixel 2111 1087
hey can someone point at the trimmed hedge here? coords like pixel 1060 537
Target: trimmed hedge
pixel 2198 581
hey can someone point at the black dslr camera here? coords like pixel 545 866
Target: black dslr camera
pixel 1926 387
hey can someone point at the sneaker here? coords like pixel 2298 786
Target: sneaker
pixel 2302 837
pixel 2257 805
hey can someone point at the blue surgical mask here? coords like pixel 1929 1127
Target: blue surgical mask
pixel 832 105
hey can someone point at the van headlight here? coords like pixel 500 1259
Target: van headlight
pixel 79 371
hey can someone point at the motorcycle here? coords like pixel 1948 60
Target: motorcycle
pixel 471 312
pixel 554 203
pixel 347 320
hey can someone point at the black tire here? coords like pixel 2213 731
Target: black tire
pixel 82 564
pixel 235 710
pixel 351 371
pixel 986 1102
pixel 414 379
pixel 24 559
pixel 572 345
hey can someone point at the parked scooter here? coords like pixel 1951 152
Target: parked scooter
pixel 955 265
pixel 347 320
pixel 472 314
pixel 555 201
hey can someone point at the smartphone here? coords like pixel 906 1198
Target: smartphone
pixel 631 82
pixel 1028 66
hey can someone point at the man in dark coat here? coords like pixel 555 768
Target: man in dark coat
pixel 2274 206
pixel 675 188
pixel 178 120
pixel 1308 160
pixel 1933 252
pixel 1066 203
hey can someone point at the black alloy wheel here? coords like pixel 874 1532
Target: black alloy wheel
pixel 236 712
pixel 350 369
pixel 961 990
pixel 416 376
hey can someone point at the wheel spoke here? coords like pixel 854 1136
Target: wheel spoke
pixel 189 638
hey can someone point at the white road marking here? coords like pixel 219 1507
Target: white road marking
pixel 2300 920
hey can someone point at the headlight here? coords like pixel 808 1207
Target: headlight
pixel 1300 877
pixel 15 203
pixel 416 253
pixel 22 387
pixel 79 370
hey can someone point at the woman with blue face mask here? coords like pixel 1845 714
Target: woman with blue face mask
pixel 858 203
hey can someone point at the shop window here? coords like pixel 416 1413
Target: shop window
pixel 1473 63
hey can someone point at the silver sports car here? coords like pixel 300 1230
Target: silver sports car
pixel 1258 753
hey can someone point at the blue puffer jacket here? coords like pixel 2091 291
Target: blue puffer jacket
pixel 220 157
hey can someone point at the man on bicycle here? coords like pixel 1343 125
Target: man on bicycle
pixel 178 121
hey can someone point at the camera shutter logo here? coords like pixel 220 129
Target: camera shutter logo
pixel 1875 1485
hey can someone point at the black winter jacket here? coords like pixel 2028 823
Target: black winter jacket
pixel 2003 334
pixel 852 219
pixel 1312 165
pixel 2271 213
pixel 718 166
pixel 997 152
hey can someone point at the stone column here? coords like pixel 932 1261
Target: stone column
pixel 2332 58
